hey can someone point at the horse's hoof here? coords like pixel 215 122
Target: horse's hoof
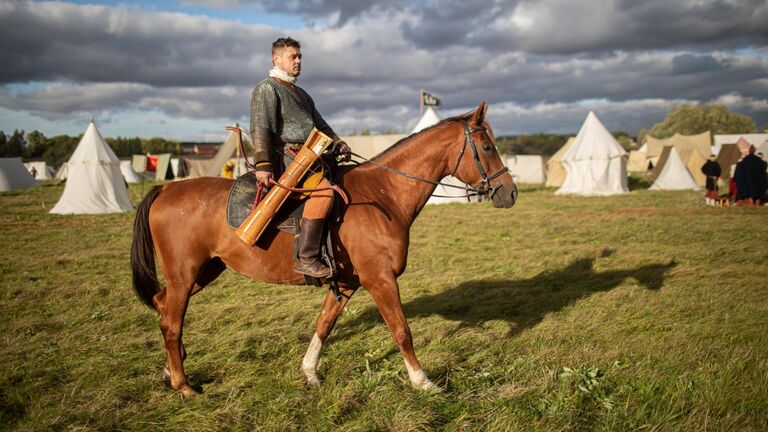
pixel 430 387
pixel 312 379
pixel 188 392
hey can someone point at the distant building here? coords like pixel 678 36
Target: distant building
pixel 205 149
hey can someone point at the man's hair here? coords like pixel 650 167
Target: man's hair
pixel 285 43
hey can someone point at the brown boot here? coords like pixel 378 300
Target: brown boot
pixel 309 262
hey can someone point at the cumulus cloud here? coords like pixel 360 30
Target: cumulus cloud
pixel 550 26
pixel 51 41
pixel 59 100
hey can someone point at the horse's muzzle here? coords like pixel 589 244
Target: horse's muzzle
pixel 504 197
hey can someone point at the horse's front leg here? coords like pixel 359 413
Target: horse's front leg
pixel 386 294
pixel 325 322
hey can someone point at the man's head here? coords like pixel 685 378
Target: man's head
pixel 286 55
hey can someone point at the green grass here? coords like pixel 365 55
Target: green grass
pixel 645 311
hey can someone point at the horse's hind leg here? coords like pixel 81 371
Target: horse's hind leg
pixel 180 277
pixel 207 274
pixel 325 322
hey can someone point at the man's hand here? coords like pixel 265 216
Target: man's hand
pixel 343 149
pixel 263 177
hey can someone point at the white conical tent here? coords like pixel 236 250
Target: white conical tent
pixel 427 119
pixel 674 174
pixel 94 181
pixel 13 175
pixel 595 164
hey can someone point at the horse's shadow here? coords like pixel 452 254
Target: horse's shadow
pixel 521 303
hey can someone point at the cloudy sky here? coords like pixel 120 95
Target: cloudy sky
pixel 183 69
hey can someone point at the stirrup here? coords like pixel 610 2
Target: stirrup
pixel 314 269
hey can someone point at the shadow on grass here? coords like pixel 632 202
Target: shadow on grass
pixel 521 303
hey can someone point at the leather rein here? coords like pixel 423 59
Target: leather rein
pixel 484 189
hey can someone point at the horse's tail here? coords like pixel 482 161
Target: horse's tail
pixel 143 251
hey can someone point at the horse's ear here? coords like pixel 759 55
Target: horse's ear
pixel 479 115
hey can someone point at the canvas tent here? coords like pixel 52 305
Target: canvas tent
pixel 728 156
pixel 129 174
pixel 637 162
pixel 42 170
pixel 694 160
pixel 429 118
pixel 595 164
pixel 94 182
pixel 755 139
pixel 228 150
pixel 526 168
pixel 198 167
pixel 555 168
pixel 13 175
pixel 369 146
pixel 671 173
pixel 161 165
pixel 61 173
pixel 701 142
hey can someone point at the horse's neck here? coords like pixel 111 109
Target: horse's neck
pixel 426 156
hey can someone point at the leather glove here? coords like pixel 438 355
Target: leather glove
pixel 342 148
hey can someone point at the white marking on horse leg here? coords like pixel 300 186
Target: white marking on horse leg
pixel 309 364
pixel 419 379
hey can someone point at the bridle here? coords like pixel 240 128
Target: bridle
pixel 484 189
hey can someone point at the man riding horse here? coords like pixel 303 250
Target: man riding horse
pixel 282 117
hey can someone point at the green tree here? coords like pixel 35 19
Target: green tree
pixel 124 147
pixel 35 144
pixel 14 146
pixel 689 119
pixel 159 145
pixel 59 149
pixel 3 140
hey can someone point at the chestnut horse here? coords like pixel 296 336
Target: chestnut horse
pixel 184 224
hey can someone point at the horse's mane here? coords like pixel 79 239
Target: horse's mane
pixel 409 138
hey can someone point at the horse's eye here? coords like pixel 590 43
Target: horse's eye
pixel 487 147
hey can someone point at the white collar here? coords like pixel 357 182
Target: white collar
pixel 282 75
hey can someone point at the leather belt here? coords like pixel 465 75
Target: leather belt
pixel 293 146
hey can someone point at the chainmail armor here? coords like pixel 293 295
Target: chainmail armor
pixel 279 117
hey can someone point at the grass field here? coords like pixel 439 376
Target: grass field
pixel 645 311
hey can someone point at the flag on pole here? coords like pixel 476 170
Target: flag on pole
pixel 429 100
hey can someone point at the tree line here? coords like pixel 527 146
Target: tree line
pixel 686 119
pixel 57 150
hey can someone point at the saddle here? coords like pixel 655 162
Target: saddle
pixel 242 200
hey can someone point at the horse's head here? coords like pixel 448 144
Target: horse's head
pixel 479 163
